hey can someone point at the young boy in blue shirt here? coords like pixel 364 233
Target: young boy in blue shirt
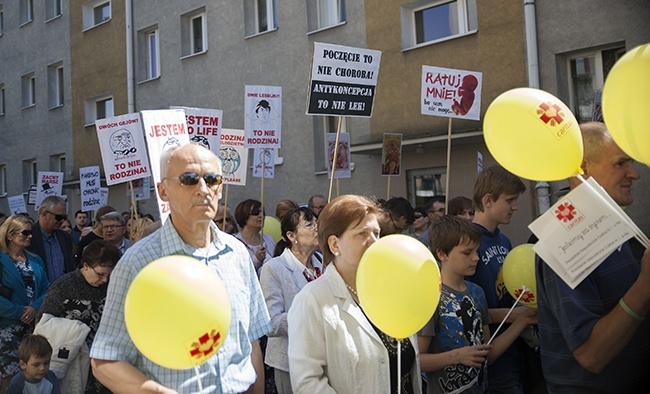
pixel 34 354
pixel 453 344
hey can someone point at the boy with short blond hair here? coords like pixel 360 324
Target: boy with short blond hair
pixel 34 354
pixel 453 350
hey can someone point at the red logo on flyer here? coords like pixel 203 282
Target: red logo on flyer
pixel 565 212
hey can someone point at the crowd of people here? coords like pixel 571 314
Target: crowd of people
pixel 297 323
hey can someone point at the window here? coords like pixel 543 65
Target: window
pixel 194 36
pixel 148 54
pixel 26 9
pixel 55 85
pixel 57 163
pixel 322 126
pixel 52 9
pixel 98 108
pixel 422 184
pixel 260 16
pixel 322 14
pixel 426 21
pixel 2 19
pixel 29 90
pixel 587 73
pixel 3 180
pixel 2 99
pixel 30 173
pixel 96 12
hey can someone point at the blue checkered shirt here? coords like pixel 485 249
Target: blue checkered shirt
pixel 230 370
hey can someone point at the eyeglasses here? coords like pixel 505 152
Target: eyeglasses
pixel 59 218
pixel 113 226
pixel 100 275
pixel 255 212
pixel 25 233
pixel 192 178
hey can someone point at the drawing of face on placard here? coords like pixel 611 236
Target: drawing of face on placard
pixel 263 115
pixel 201 140
pixel 230 160
pixel 122 144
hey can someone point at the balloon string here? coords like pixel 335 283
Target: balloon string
pixel 198 378
pixel 399 363
pixel 525 290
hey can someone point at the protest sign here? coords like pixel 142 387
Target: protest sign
pixel 479 162
pixel 163 129
pixel 391 154
pixel 343 80
pixel 123 150
pixel 266 158
pixel 103 193
pixel 343 169
pixel 578 233
pixel 141 189
pixel 89 183
pixel 451 93
pixel 263 121
pixel 203 126
pixel 49 184
pixel 17 204
pixel 234 157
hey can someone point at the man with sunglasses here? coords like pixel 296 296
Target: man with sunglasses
pixel 191 184
pixel 54 246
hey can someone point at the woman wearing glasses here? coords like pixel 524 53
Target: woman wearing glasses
pixel 297 263
pixel 333 347
pixel 24 283
pixel 250 218
pixel 80 295
pixel 228 225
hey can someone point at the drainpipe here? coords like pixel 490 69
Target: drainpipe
pixel 130 92
pixel 531 43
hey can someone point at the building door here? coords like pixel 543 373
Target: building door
pixel 425 183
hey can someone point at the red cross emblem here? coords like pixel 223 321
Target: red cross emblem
pixel 550 113
pixel 205 345
pixel 565 212
pixel 529 297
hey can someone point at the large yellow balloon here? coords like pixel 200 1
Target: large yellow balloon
pixel 519 271
pixel 272 227
pixel 532 134
pixel 398 282
pixel 626 103
pixel 177 312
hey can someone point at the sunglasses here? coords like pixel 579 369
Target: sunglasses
pixel 255 212
pixel 26 233
pixel 192 178
pixel 59 218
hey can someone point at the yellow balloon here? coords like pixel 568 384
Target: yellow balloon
pixel 519 271
pixel 272 227
pixel 626 100
pixel 398 282
pixel 177 312
pixel 532 134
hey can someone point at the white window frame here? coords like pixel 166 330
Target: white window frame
pixel 31 167
pixel 336 14
pixel 598 78
pixel 153 54
pixel 2 20
pixel 28 90
pixel 2 99
pixel 56 85
pixel 58 163
pixel 409 24
pixel 187 33
pixel 3 180
pixel 92 109
pixel 26 9
pixel 53 9
pixel 252 14
pixel 89 9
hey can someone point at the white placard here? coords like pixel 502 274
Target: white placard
pixel 451 93
pixel 141 188
pixel 103 191
pixel 89 184
pixel 204 126
pixel 163 129
pixel 263 122
pixel 17 204
pixel 234 157
pixel 49 184
pixel 266 158
pixel 123 150
pixel 579 232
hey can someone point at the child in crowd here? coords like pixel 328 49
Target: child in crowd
pixel 34 354
pixel 453 344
